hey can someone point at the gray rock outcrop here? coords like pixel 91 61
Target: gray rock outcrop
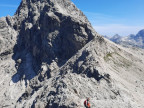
pixel 51 57
pixel 50 31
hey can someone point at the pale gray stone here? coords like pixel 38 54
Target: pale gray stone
pixel 51 57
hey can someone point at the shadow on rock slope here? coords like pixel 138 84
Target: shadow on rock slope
pixel 47 37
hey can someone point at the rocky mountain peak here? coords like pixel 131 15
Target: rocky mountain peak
pixel 140 34
pixel 116 35
pixel 34 8
pixel 50 31
pixel 131 40
pixel 51 57
pixel 141 31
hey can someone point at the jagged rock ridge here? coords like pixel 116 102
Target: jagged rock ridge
pixel 51 57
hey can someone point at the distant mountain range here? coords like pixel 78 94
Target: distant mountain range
pixel 131 40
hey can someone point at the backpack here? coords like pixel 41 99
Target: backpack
pixel 85 103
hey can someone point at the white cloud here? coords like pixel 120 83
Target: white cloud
pixel 112 29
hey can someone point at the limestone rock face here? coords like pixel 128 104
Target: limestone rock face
pixel 50 31
pixel 51 57
pixel 7 36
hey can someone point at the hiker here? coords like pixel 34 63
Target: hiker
pixel 87 103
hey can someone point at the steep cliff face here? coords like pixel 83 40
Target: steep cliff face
pixel 50 31
pixel 51 57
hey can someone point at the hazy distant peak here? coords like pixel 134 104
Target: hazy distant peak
pixel 140 33
pixel 116 36
pixel 130 40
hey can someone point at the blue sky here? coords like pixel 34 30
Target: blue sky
pixel 8 7
pixel 108 17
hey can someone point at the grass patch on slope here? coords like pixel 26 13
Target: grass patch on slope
pixel 117 59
